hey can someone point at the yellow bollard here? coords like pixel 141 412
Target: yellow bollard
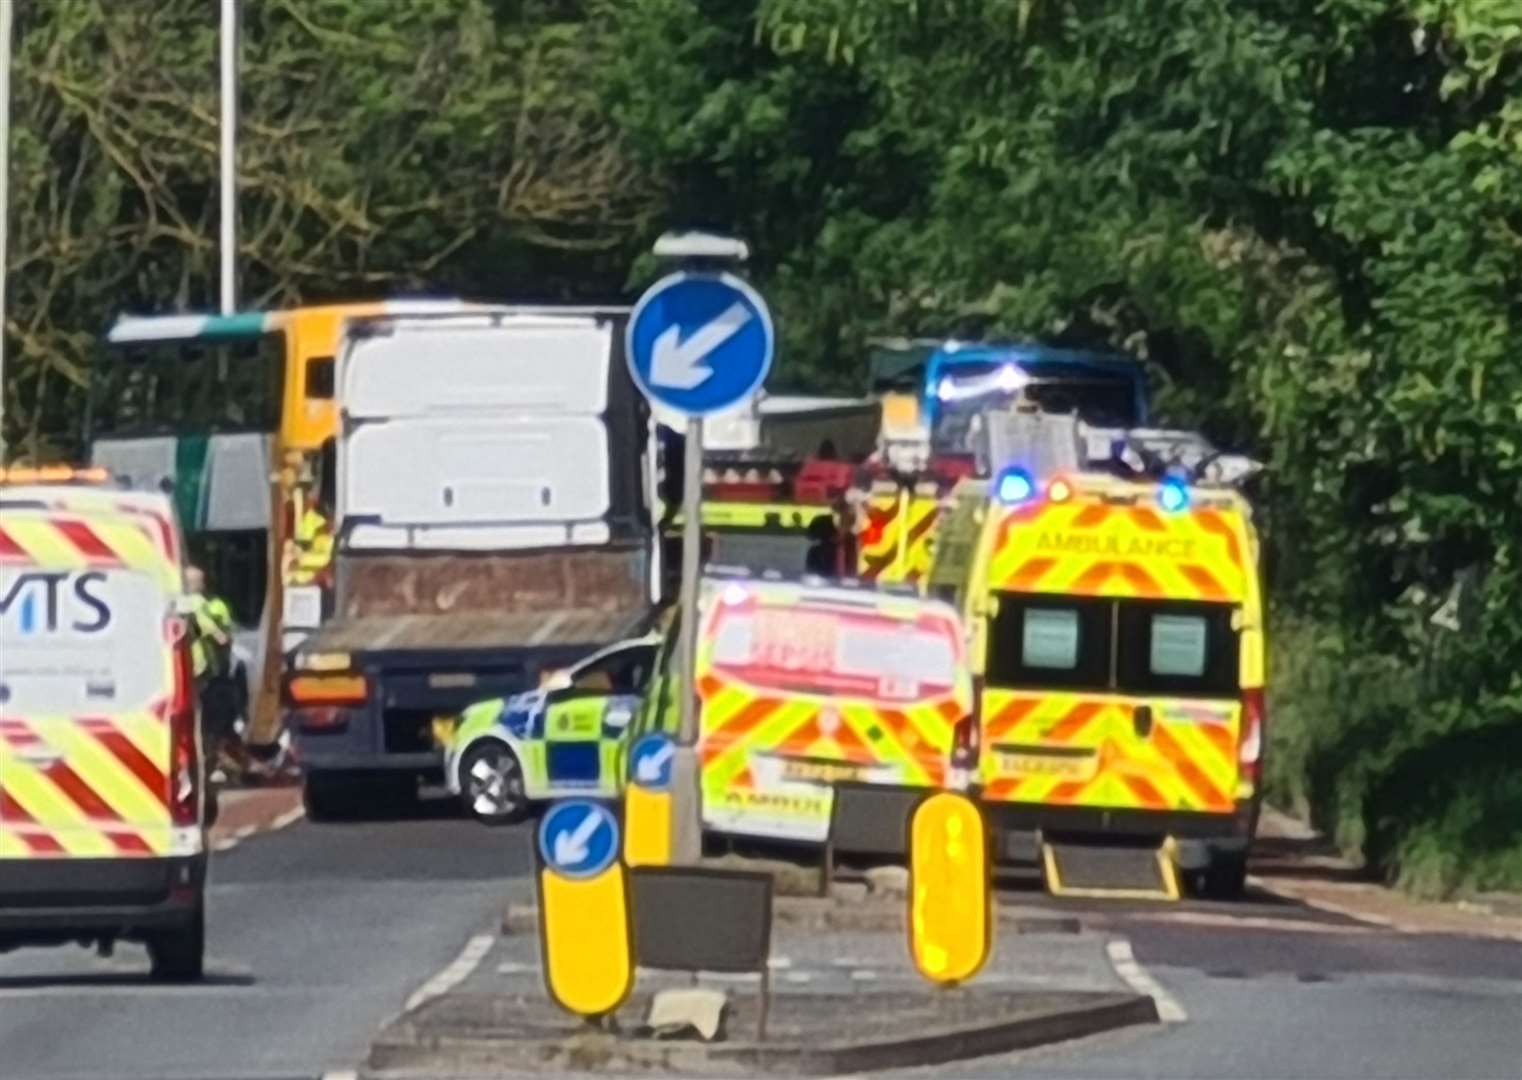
pixel 950 890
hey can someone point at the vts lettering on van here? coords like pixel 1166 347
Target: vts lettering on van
pixel 1117 636
pixel 34 602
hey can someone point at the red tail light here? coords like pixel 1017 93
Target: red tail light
pixel 184 761
pixel 1250 742
pixel 967 735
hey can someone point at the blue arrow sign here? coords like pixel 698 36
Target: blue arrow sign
pixel 700 343
pixel 578 839
pixel 650 761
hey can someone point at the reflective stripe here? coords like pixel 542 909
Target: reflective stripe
pixel 90 786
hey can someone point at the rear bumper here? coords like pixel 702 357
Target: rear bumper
pixel 1222 829
pixel 58 899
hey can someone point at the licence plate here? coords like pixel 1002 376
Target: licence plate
pixel 823 772
pixel 1053 766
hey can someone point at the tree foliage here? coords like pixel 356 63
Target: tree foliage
pixel 429 145
pixel 1304 215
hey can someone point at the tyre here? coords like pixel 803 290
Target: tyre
pixel 327 798
pixel 1226 876
pixel 178 954
pixel 491 784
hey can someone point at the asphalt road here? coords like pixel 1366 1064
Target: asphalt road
pixel 316 936
pixel 1273 990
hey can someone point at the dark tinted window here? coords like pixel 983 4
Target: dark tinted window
pixel 189 387
pixel 1049 641
pixel 320 378
pixel 1175 647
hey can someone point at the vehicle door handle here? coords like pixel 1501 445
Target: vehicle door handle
pixel 1141 720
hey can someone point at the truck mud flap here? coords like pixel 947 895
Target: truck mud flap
pixel 1110 871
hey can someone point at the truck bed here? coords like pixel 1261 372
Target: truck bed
pixel 477 630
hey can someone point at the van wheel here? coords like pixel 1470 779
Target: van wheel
pixel 327 798
pixel 179 954
pixel 1226 876
pixel 491 784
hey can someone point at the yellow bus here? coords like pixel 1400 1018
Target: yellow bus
pixel 231 414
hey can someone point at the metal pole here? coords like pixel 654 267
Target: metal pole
pixel 686 794
pixel 7 10
pixel 692 557
pixel 229 158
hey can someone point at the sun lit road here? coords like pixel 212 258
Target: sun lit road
pixel 320 933
pixel 316 935
pixel 1273 989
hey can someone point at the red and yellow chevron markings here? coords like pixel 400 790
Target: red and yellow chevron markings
pixel 1093 549
pixel 1075 750
pixel 894 543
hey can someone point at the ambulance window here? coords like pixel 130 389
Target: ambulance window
pixel 1177 647
pixel 1048 641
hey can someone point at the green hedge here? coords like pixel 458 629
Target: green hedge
pixel 1381 752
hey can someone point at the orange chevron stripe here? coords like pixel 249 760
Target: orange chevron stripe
pixel 1204 582
pixel 1204 791
pixel 1144 518
pixel 1145 793
pixel 1030 573
pixel 1091 516
pixel 1211 521
pixel 1142 581
pixel 1093 579
pixel 730 731
pixel 1009 717
pixel 1075 721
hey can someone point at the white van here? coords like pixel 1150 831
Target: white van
pixel 103 805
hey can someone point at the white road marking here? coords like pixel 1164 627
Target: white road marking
pixel 340 1074
pixel 1169 1011
pixel 779 963
pixel 290 817
pixel 457 972
pixel 798 977
pixel 864 976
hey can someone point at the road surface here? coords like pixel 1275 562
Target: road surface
pixel 318 934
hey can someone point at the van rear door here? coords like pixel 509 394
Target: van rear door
pixel 86 681
pixel 1112 703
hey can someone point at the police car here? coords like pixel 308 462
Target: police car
pixel 562 739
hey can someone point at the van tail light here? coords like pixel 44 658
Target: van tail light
pixel 184 766
pixel 1250 743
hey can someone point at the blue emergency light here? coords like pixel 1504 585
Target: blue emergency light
pixel 1015 486
pixel 1173 495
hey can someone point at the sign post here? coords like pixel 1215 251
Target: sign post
pixel 699 342
pixel 584 923
pixel 950 890
pixel 647 801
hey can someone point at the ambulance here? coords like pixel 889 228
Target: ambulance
pixel 1117 638
pixel 103 806
pixel 804 684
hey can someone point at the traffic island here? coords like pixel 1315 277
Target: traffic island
pixel 809 1034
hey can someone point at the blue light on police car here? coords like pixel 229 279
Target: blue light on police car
pixel 1015 486
pixel 1173 495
